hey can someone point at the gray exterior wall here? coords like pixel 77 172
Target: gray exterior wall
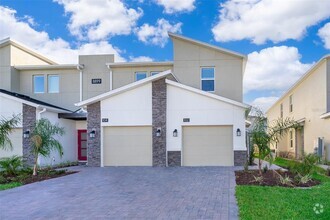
pixel 95 68
pixel 240 157
pixel 174 158
pixel 29 120
pixel 159 121
pixel 190 57
pixel 94 144
pixel 68 92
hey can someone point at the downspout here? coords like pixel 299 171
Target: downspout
pixel 110 73
pixel 39 114
pixel 80 68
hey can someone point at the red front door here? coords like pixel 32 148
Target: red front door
pixel 82 145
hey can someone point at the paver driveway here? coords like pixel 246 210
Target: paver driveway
pixel 126 193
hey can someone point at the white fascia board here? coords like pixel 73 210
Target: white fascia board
pixel 207 45
pixel 125 64
pixel 210 95
pixel 47 67
pixel 325 115
pixel 52 109
pixel 124 88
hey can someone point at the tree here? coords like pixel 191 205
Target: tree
pixel 264 135
pixel 6 128
pixel 43 141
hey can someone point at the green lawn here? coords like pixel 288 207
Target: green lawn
pixel 259 202
pixel 9 185
pixel 286 163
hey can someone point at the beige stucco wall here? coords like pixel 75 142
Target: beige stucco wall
pixel 21 57
pixel 5 80
pixel 309 102
pixel 190 57
pixel 69 87
pixel 125 75
pixel 95 68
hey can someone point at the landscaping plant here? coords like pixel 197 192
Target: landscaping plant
pixel 6 127
pixel 264 135
pixel 44 141
pixel 11 165
pixel 307 165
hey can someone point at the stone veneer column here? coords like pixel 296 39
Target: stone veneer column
pixel 240 157
pixel 174 158
pixel 159 121
pixel 28 122
pixel 94 144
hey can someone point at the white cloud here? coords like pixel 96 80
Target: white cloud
pixel 172 6
pixel 273 68
pixel 157 35
pixel 56 49
pixel 324 34
pixel 99 19
pixel 141 59
pixel 264 103
pixel 262 20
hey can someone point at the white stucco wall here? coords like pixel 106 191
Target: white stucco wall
pixel 131 108
pixel 81 125
pixel 201 110
pixel 8 108
pixel 68 141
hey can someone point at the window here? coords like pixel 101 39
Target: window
pixel 207 79
pixel 291 103
pixel 140 75
pixel 281 110
pixel 152 73
pixel 291 139
pixel 38 84
pixel 53 84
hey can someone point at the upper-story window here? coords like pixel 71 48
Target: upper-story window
pixel 281 110
pixel 290 103
pixel 140 75
pixel 53 84
pixel 152 73
pixel 38 84
pixel 207 79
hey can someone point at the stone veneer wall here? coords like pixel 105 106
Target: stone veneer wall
pixel 94 144
pixel 174 158
pixel 240 157
pixel 28 122
pixel 159 121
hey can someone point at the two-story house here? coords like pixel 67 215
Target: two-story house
pixel 307 102
pixel 186 112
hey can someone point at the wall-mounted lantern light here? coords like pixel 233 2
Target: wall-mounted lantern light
pixel 175 133
pixel 26 134
pixel 92 133
pixel 238 132
pixel 158 132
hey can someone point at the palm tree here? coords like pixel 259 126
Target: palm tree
pixel 43 141
pixel 6 128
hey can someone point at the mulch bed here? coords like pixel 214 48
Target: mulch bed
pixel 270 178
pixel 38 178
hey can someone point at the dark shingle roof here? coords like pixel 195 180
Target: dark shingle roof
pixel 29 99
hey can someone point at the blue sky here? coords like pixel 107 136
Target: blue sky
pixel 281 38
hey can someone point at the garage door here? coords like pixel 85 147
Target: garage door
pixel 127 146
pixel 208 146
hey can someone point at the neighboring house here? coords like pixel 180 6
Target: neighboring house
pixel 185 112
pixel 307 102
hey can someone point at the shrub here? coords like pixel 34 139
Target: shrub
pixel 3 180
pixel 285 180
pixel 11 165
pixel 285 154
pixel 307 165
pixel 258 179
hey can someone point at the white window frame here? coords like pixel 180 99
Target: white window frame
pixel 201 78
pixel 138 72
pixel 33 78
pixel 50 75
pixel 152 73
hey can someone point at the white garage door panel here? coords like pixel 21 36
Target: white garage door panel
pixel 208 146
pixel 127 146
